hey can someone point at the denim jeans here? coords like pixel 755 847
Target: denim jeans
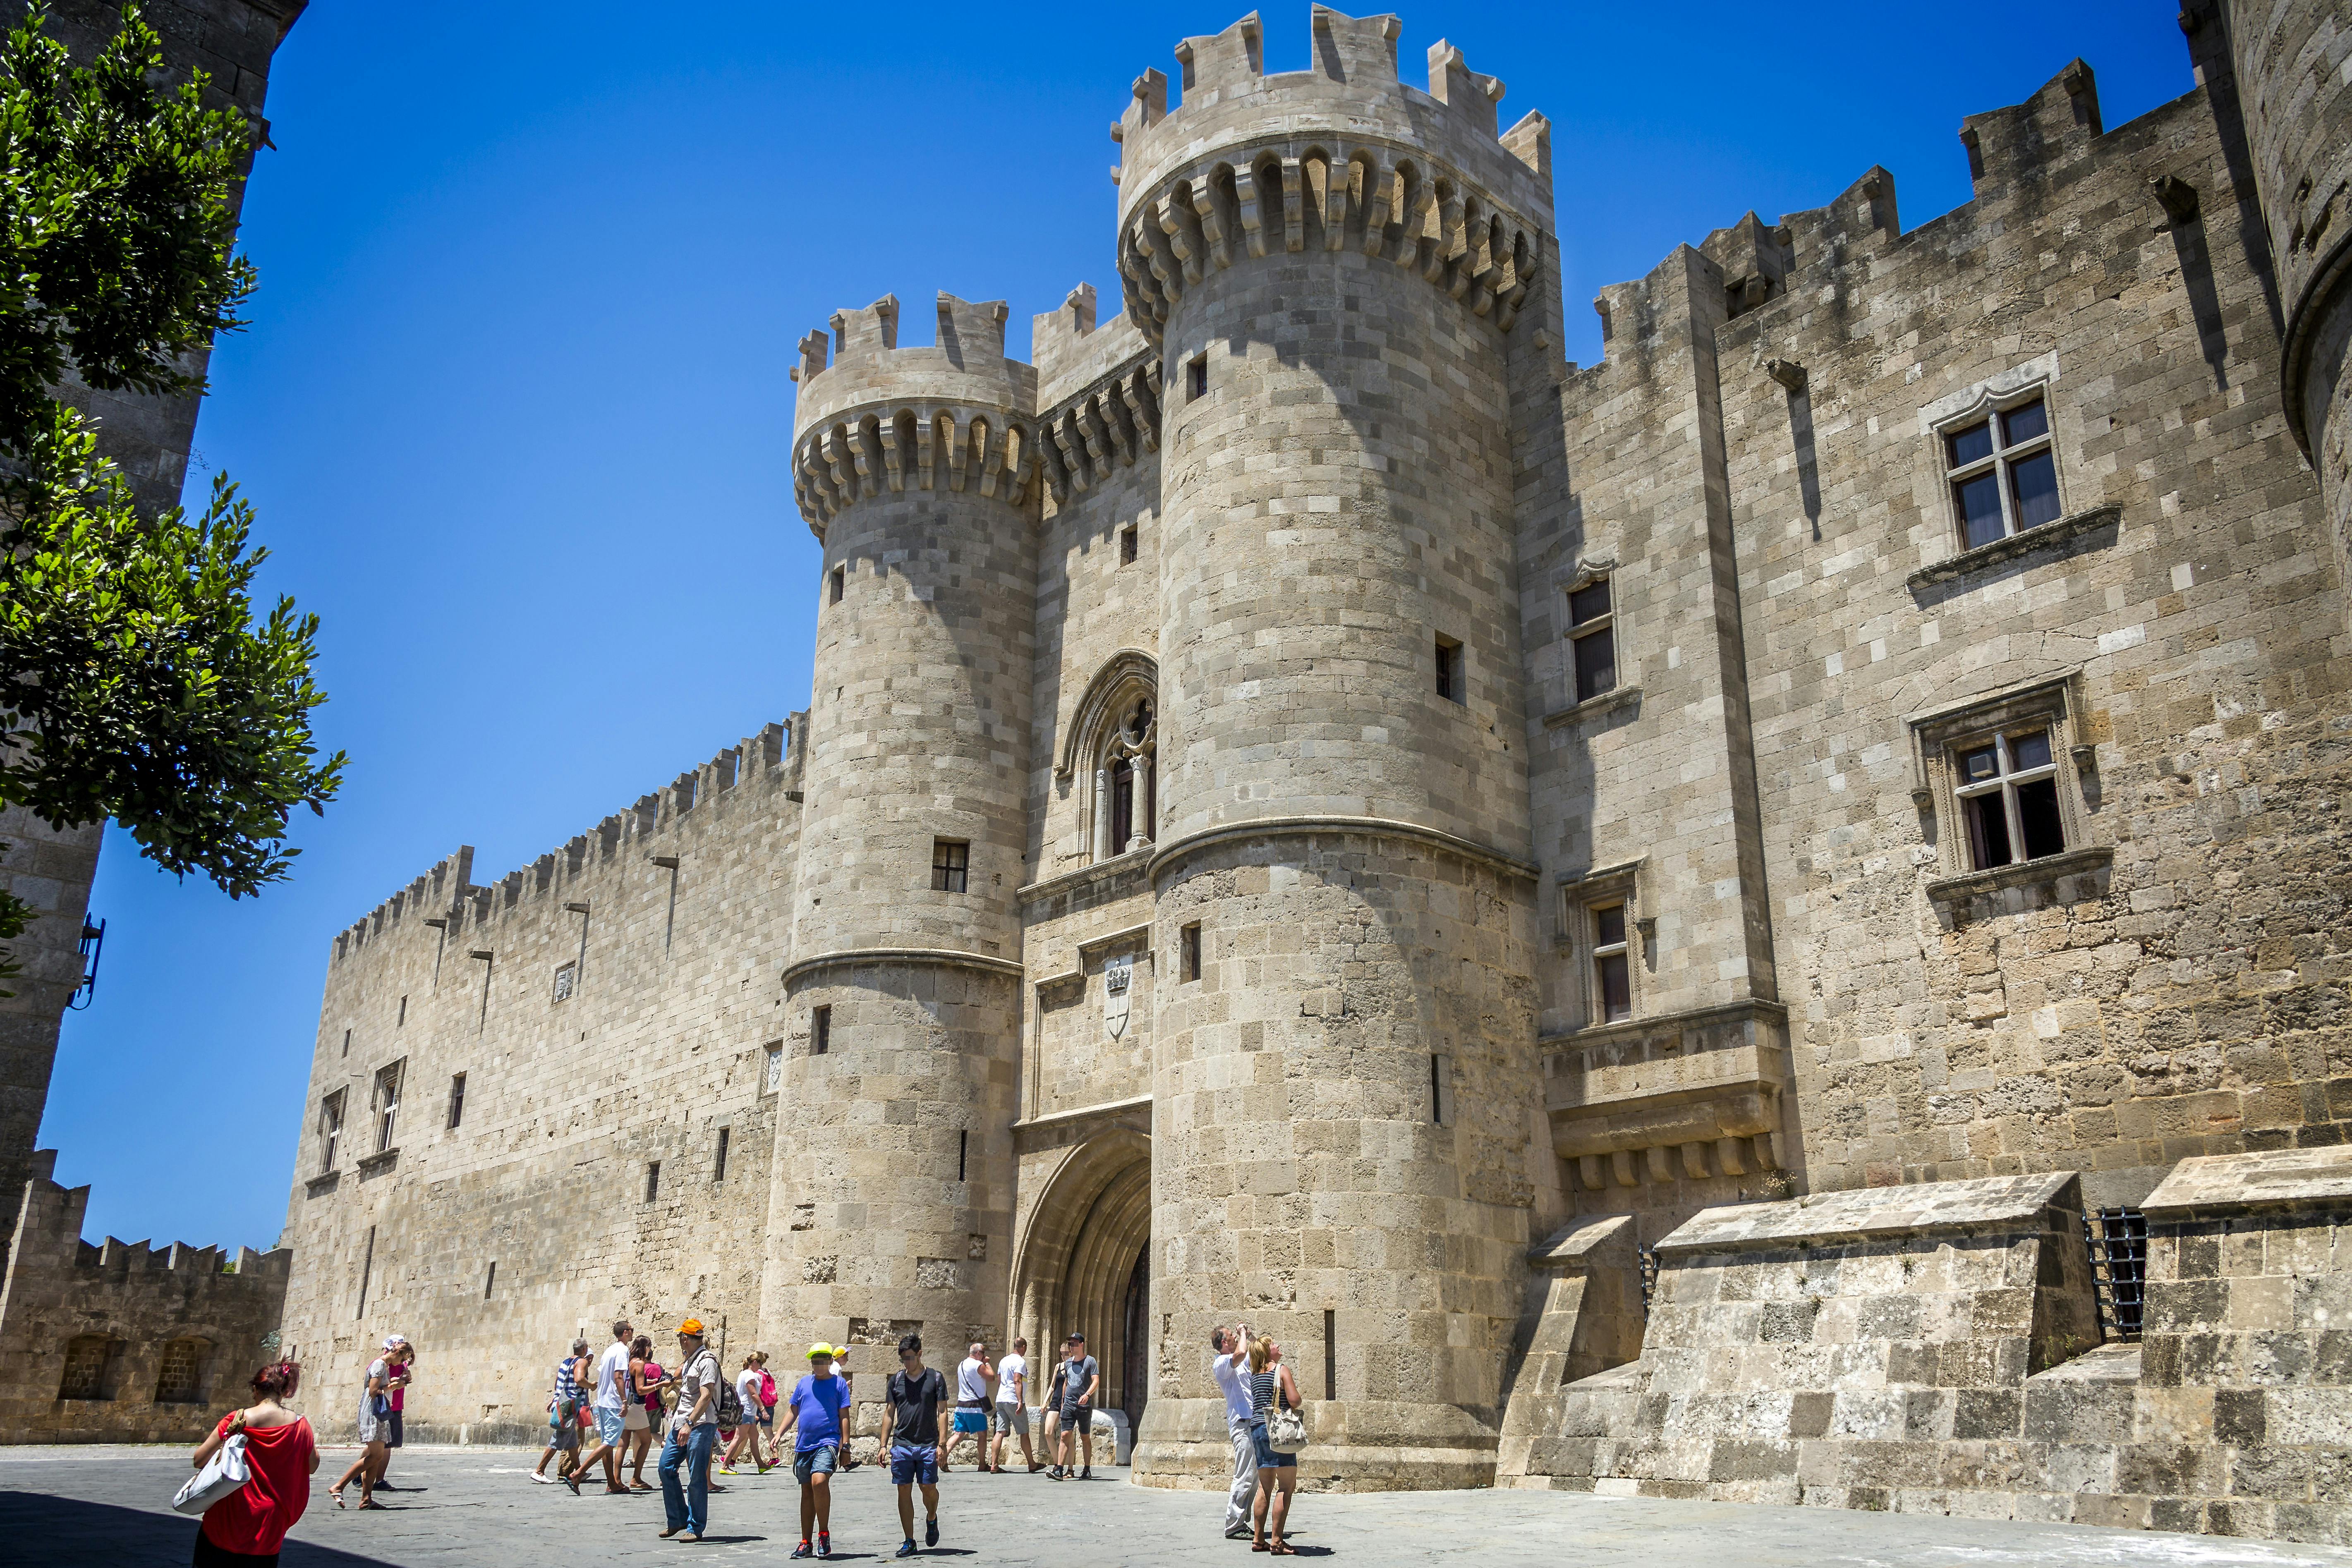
pixel 688 1509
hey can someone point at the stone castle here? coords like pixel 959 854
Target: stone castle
pixel 1765 919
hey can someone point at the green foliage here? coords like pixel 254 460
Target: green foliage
pixel 135 682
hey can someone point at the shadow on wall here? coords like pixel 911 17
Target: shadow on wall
pixel 45 1532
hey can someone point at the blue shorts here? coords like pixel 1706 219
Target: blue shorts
pixel 1268 1457
pixel 822 1460
pixel 914 1462
pixel 608 1425
pixel 974 1419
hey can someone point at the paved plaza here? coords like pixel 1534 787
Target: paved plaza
pixel 109 1505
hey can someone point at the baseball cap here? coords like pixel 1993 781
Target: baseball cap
pixel 822 1349
pixel 691 1326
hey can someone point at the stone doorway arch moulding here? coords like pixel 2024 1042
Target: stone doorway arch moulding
pixel 1077 1253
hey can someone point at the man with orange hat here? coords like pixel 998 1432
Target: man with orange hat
pixel 693 1433
pixel 815 1418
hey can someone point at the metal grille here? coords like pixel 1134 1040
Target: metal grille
pixel 1649 1258
pixel 2118 1239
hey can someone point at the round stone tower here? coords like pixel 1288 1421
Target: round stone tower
pixel 1346 1108
pixel 893 1175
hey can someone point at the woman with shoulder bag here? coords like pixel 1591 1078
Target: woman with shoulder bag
pixel 1272 1392
pixel 645 1408
pixel 246 1528
pixel 376 1424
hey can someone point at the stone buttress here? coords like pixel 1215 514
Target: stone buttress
pixel 893 1174
pixel 1332 264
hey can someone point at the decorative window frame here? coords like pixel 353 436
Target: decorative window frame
pixel 383 1112
pixel 1582 892
pixel 1937 736
pixel 335 1121
pixel 1127 677
pixel 2020 383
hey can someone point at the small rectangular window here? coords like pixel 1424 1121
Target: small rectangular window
pixel 1449 669
pixel 840 581
pixel 1127 545
pixel 1188 964
pixel 387 1106
pixel 772 1076
pixel 2002 473
pixel 1196 378
pixel 1612 976
pixel 719 1165
pixel 820 1030
pixel 1592 634
pixel 951 865
pixel 565 973
pixel 457 1098
pixel 653 1180
pixel 330 1130
pixel 2007 790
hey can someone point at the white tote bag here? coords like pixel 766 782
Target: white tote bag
pixel 224 1473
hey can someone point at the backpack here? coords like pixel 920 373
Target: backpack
pixel 731 1403
pixel 767 1388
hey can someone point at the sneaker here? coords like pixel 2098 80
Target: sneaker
pixel 725 1470
pixel 931 1532
pixel 802 1550
pixel 542 1477
pixel 824 1545
pixel 907 1549
pixel 1238 1532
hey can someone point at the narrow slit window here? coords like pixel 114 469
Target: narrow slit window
pixel 456 1099
pixel 839 581
pixel 653 1180
pixel 719 1165
pixel 2002 473
pixel 951 865
pixel 2007 790
pixel 402 1019
pixel 1189 963
pixel 1592 637
pixel 1449 668
pixel 964 1152
pixel 347 1042
pixel 1127 545
pixel 1196 378
pixel 491 1279
pixel 820 1030
pixel 1330 1354
pixel 1441 1067
pixel 1613 975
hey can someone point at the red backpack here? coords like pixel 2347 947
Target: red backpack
pixel 767 1388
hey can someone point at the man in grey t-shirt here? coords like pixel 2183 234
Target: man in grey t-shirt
pixel 1081 1375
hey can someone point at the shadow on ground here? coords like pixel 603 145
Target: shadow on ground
pixel 37 1531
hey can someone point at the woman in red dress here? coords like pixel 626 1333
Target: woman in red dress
pixel 245 1528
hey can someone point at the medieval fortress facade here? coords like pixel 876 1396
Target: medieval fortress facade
pixel 1625 914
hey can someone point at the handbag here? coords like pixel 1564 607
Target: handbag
pixel 224 1473
pixel 1286 1433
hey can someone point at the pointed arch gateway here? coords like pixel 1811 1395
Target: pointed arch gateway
pixel 1083 1265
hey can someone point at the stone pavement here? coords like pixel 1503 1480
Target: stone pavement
pixel 111 1505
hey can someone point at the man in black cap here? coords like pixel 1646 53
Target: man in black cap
pixel 1081 1374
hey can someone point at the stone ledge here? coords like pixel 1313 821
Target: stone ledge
pixel 1868 1213
pixel 321 1185
pixel 1132 862
pixel 2266 1179
pixel 2049 870
pixel 2050 537
pixel 1608 701
pixel 376 1164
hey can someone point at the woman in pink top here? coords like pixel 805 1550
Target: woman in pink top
pixel 246 1529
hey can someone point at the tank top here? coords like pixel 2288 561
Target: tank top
pixel 653 1375
pixel 566 1385
pixel 1264 1388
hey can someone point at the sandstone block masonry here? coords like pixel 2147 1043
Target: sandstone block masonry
pixel 1623 913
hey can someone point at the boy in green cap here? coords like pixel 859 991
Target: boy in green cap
pixel 815 1426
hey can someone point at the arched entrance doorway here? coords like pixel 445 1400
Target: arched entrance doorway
pixel 1085 1265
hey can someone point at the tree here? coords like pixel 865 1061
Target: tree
pixel 135 682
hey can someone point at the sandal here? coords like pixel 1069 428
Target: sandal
pixel 371 1502
pixel 1282 1548
pixel 337 1493
pixel 1257 1544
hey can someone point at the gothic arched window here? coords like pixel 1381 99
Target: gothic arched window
pixel 1132 774
pixel 1111 755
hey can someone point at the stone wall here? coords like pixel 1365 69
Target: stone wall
pixel 1935 1348
pixel 494 1237
pixel 164 1338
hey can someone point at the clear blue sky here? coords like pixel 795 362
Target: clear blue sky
pixel 514 413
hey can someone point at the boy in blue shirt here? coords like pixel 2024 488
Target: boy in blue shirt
pixel 815 1420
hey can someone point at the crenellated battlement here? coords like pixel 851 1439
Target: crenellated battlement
pixel 951 415
pixel 1342 155
pixel 447 893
